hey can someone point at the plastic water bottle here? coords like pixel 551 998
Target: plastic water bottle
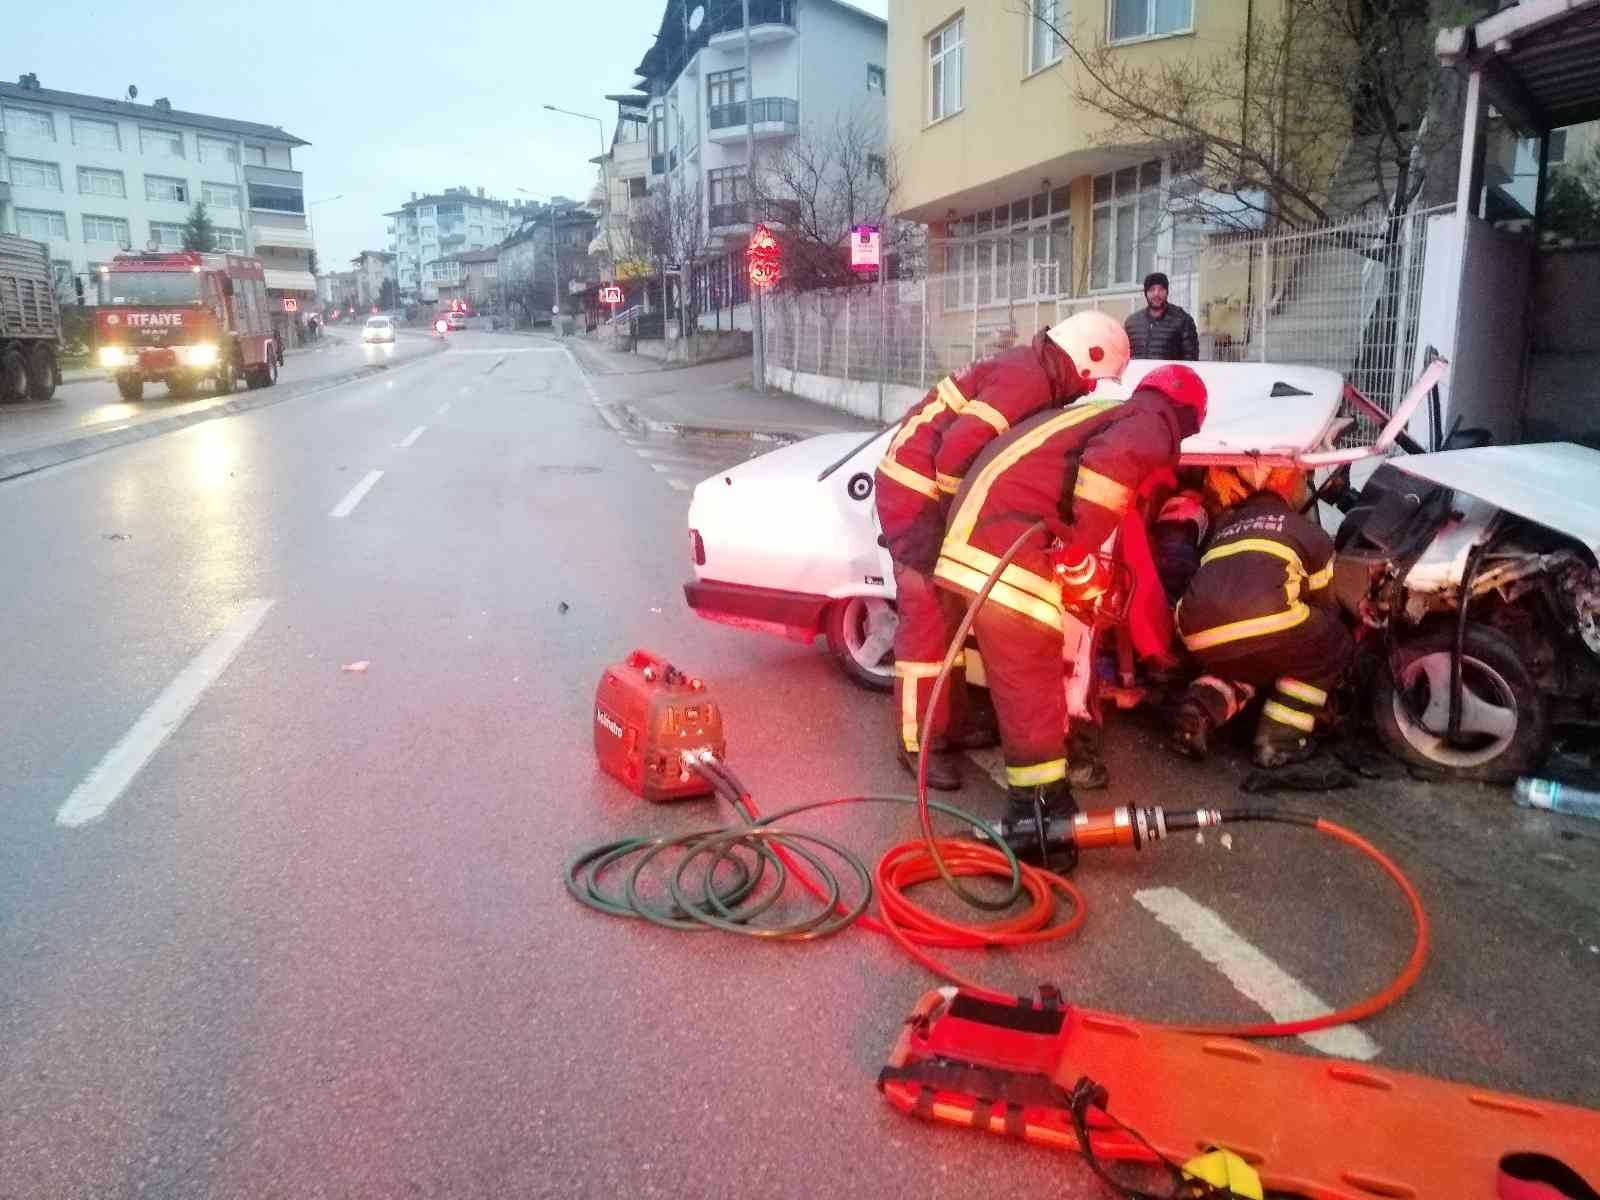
pixel 1556 796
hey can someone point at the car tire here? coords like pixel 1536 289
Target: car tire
pixel 227 380
pixel 13 376
pixel 130 388
pixel 1505 720
pixel 269 372
pixel 860 633
pixel 42 374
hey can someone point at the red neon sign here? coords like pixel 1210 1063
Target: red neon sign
pixel 765 257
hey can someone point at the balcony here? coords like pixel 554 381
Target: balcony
pixel 770 21
pixel 770 116
pixel 729 216
pixel 275 190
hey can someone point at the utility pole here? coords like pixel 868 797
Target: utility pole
pixel 758 355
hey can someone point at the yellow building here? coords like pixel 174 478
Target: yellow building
pixel 1030 214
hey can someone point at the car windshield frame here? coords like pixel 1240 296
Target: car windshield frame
pixel 146 289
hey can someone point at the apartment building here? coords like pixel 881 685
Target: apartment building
pixel 470 277
pixel 93 177
pixel 812 63
pixel 1024 201
pixel 625 183
pixel 434 226
pixel 373 269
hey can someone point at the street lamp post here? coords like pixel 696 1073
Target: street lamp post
pixel 311 222
pixel 605 178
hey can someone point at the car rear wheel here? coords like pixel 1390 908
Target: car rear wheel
pixel 42 373
pixel 860 632
pixel 1505 723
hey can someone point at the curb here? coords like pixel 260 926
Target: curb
pixel 645 424
pixel 40 458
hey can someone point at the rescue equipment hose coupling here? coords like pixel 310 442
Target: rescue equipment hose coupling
pixel 1128 825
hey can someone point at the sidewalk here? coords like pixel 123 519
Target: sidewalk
pixel 709 398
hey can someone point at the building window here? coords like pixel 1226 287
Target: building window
pixel 726 185
pixel 1015 252
pixel 92 181
pixel 25 172
pixel 255 156
pixel 1126 220
pixel 1131 19
pixel 30 123
pixel 41 226
pixel 166 235
pixel 217 150
pixel 161 141
pixel 1558 147
pixel 1044 43
pixel 276 199
pixel 944 72
pixel 161 187
pixel 877 167
pixel 877 79
pixel 230 240
pixel 425 211
pixel 219 195
pixel 725 87
pixel 106 229
pixel 97 135
pixel 638 188
pixel 658 133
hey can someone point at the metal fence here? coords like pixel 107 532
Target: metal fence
pixel 1346 297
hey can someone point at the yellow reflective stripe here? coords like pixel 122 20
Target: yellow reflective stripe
pixel 966 517
pixel 1258 546
pixel 908 714
pixel 1284 715
pixel 1037 774
pixel 951 395
pixel 988 414
pixel 949 484
pixel 1002 593
pixel 908 478
pixel 1102 490
pixel 1018 577
pixel 1254 627
pixel 1303 692
pixel 976 675
pixel 1321 579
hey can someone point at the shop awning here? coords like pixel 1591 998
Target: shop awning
pixel 290 281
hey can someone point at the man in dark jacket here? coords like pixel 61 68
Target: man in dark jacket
pixel 1080 470
pixel 924 465
pixel 1258 614
pixel 1161 330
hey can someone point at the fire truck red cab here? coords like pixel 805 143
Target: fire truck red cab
pixel 185 318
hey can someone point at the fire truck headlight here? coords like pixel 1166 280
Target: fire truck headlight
pixel 203 355
pixel 113 356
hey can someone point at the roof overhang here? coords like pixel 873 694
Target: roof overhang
pixel 1539 61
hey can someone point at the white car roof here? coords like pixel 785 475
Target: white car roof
pixel 1556 484
pixel 1253 410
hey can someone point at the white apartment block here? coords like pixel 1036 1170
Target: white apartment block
pixel 812 63
pixel 428 228
pixel 94 177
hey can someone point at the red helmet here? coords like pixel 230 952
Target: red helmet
pixel 1179 384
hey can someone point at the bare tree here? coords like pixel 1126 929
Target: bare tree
pixel 669 229
pixel 815 187
pixel 1264 125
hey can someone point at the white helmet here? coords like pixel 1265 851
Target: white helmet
pixel 1096 342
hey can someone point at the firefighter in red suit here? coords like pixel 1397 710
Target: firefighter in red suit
pixel 926 462
pixel 1079 470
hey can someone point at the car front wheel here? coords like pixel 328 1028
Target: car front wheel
pixel 860 632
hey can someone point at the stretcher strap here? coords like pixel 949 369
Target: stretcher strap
pixel 985 1085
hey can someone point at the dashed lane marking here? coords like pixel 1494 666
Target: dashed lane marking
pixel 411 438
pixel 353 497
pixel 102 787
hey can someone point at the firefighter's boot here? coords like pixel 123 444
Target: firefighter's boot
pixel 1191 729
pixel 944 775
pixel 980 727
pixel 1284 735
pixel 1086 769
pixel 1038 825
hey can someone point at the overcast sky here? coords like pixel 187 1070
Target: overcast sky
pixel 394 97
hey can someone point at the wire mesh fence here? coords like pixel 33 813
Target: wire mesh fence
pixel 1346 297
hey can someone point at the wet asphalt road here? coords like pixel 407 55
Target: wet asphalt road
pixel 320 947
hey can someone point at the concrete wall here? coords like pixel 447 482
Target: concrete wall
pixel 866 400
pixel 1563 390
pixel 1496 274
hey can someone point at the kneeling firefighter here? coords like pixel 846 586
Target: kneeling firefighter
pixel 1246 618
pixel 1080 471
pixel 930 454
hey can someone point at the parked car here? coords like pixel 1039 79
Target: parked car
pixel 456 320
pixel 378 329
pixel 787 544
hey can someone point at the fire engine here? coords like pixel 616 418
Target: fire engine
pixel 185 318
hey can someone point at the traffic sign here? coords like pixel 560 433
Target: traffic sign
pixel 611 294
pixel 864 242
pixel 290 304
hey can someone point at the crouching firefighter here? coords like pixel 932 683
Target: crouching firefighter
pixel 1258 615
pixel 1079 471
pixel 928 457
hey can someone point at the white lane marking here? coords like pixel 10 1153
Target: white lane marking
pixel 1283 996
pixel 465 389
pixel 353 496
pixel 444 408
pixel 510 350
pixel 679 484
pixel 662 468
pixel 411 438
pixel 112 775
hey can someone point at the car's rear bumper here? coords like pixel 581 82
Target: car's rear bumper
pixel 796 615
